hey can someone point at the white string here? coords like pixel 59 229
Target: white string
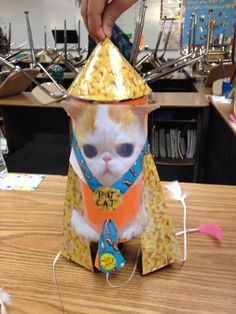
pixel 55 281
pixel 187 231
pixel 176 194
pixel 184 232
pixel 3 308
pixel 130 277
pixel 5 299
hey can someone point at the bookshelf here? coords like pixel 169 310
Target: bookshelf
pixel 177 136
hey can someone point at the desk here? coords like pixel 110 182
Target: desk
pixel 30 236
pixel 220 155
pixel 25 99
pixel 33 129
pixel 224 111
pixel 24 115
pixel 181 100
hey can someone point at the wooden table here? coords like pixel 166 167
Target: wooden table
pixel 25 99
pixel 30 236
pixel 181 100
pixel 225 110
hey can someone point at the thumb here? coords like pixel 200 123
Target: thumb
pixel 111 13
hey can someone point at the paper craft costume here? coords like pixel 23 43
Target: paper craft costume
pixel 113 190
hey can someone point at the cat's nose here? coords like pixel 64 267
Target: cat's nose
pixel 106 158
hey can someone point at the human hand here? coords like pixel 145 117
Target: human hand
pixel 100 15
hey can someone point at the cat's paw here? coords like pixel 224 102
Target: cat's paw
pixel 131 231
pixel 136 227
pixel 82 228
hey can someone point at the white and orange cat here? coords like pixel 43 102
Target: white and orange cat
pixel 111 138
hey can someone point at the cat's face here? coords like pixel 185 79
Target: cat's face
pixel 111 138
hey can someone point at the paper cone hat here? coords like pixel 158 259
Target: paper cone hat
pixel 108 77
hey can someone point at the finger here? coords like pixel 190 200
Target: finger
pixel 94 18
pixel 112 12
pixel 83 11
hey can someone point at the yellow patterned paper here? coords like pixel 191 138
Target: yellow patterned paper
pixel 108 77
pixel 72 247
pixel 159 243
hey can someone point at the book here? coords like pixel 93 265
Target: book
pixel 162 143
pixel 191 143
pixel 153 141
pixel 189 136
pixel 156 145
pixel 172 142
pixel 178 145
pixel 182 145
pixel 194 142
pixel 168 144
pixel 3 143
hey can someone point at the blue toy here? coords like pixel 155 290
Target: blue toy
pixel 109 256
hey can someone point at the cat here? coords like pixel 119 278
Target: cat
pixel 111 138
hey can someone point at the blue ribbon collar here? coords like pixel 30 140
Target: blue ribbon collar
pixel 124 183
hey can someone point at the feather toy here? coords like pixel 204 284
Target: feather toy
pixel 232 117
pixel 212 230
pixel 175 193
pixel 5 299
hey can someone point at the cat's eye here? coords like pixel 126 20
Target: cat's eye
pixel 125 150
pixel 90 151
